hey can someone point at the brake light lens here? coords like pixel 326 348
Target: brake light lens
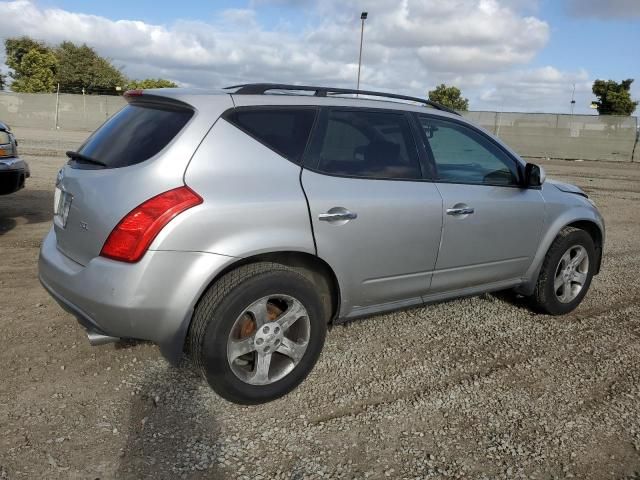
pixel 138 92
pixel 131 238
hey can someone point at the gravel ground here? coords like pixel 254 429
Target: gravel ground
pixel 473 388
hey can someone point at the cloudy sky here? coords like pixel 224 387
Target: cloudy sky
pixel 508 55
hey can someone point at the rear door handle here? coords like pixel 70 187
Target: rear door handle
pixel 460 211
pixel 338 215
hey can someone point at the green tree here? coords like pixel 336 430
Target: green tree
pixel 32 65
pixel 35 73
pixel 80 67
pixel 150 83
pixel 18 47
pixel 614 98
pixel 449 97
pixel 3 81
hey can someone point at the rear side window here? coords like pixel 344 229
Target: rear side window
pixel 135 134
pixel 284 130
pixel 368 144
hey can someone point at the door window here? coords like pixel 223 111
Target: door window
pixel 463 155
pixel 358 143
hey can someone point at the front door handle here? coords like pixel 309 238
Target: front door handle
pixel 460 210
pixel 337 214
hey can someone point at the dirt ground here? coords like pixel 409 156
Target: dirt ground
pixel 473 388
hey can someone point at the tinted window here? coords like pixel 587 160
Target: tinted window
pixel 285 130
pixel 368 144
pixel 135 134
pixel 463 155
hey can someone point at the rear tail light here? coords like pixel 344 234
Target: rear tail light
pixel 131 238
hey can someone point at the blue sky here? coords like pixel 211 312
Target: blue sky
pixel 504 54
pixel 606 46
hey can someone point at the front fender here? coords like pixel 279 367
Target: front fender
pixel 559 216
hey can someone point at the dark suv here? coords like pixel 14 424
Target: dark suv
pixel 13 170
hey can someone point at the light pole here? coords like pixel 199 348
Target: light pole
pixel 363 17
pixel 573 98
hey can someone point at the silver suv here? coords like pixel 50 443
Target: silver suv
pixel 237 225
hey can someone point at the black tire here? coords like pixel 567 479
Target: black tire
pixel 544 297
pixel 223 303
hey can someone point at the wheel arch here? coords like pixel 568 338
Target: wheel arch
pixel 312 266
pixel 316 269
pixel 595 232
pixel 584 219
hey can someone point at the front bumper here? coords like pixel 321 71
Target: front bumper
pixel 13 173
pixel 149 300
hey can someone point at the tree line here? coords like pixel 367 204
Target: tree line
pixel 36 67
pixel 613 98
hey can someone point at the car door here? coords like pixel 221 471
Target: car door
pixel 376 221
pixel 491 223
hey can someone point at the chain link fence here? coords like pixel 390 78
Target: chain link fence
pixel 536 135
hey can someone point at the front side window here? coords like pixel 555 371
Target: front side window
pixel 368 144
pixel 285 130
pixel 463 155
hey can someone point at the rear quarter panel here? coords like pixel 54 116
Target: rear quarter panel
pixel 253 201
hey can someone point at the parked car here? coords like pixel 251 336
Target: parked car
pixel 13 170
pixel 238 225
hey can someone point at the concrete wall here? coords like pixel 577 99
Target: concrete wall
pixel 536 135
pixel 75 112
pixel 575 137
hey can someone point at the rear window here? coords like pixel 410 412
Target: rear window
pixel 135 134
pixel 285 130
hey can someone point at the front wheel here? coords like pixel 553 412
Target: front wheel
pixel 258 332
pixel 566 273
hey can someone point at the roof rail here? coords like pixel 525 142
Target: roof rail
pixel 262 88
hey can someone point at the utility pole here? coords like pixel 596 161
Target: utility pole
pixel 363 17
pixel 57 105
pixel 573 98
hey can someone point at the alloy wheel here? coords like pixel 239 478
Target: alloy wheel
pixel 571 273
pixel 268 339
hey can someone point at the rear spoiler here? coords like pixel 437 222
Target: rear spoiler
pixel 140 96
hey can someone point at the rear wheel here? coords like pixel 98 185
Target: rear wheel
pixel 257 332
pixel 566 273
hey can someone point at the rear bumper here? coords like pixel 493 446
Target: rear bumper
pixel 149 300
pixel 13 173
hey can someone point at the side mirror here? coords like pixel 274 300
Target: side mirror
pixel 534 175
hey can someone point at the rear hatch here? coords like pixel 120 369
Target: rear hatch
pixel 140 152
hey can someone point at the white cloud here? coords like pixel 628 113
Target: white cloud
pixel 240 17
pixel 483 46
pixel 539 90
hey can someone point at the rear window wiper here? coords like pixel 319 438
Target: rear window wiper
pixel 84 158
